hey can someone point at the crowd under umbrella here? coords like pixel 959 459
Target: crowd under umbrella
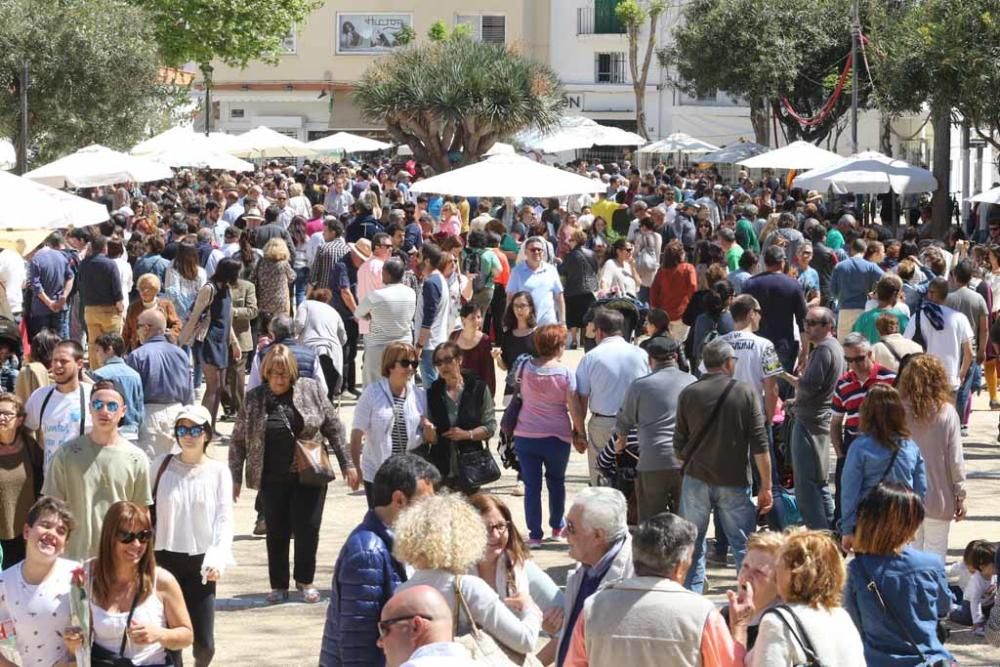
pixel 345 142
pixel 262 143
pixel 733 153
pixel 798 155
pixel 509 176
pixel 40 210
pixel 868 173
pixel 97 165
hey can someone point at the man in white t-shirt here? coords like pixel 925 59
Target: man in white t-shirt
pixel 35 593
pixel 757 363
pixel 59 411
pixel 946 332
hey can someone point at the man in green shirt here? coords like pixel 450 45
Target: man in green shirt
pixel 94 471
pixel 727 239
pixel 745 234
pixel 887 291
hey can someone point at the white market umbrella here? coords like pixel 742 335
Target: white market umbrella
pixel 733 153
pixel 96 165
pixel 200 155
pixel 500 148
pixel 868 173
pixel 164 140
pixel 263 142
pixel 796 155
pixel 509 176
pixel 573 133
pixel 35 210
pixel 988 197
pixel 679 142
pixel 8 155
pixel 345 142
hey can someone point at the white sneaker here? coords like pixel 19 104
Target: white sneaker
pixel 518 489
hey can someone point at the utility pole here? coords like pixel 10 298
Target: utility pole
pixel 206 71
pixel 22 145
pixel 855 36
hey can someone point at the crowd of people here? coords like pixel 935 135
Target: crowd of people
pixel 753 358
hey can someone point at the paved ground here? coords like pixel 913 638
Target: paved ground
pixel 249 632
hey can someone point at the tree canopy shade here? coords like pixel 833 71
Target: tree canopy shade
pixel 452 100
pixel 762 50
pixel 93 74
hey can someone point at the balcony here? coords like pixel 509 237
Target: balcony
pixel 599 19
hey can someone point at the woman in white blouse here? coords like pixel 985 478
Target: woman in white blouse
pixel 389 416
pixel 193 495
pixel 619 275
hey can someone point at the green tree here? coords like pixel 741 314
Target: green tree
pixel 93 75
pixel 235 32
pixel 637 16
pixel 451 100
pixel 762 50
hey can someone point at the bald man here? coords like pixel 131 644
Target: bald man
pixel 166 382
pixel 416 630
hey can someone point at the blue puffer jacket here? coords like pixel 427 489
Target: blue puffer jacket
pixel 365 577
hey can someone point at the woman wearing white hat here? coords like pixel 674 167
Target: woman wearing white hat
pixel 192 497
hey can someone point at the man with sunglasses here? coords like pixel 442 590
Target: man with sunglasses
pixel 542 280
pixel 94 471
pixel 417 630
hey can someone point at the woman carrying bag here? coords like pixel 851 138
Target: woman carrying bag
pixel 462 420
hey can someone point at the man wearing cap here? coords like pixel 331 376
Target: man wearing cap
pixel 650 406
pixel 96 470
pixel 720 425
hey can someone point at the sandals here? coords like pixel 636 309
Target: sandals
pixel 309 593
pixel 277 596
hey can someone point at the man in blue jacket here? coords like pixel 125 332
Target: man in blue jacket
pixel 366 574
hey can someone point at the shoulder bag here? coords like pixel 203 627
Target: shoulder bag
pixel 102 657
pixel 508 422
pixel 156 487
pixel 799 634
pixel 873 587
pixel 483 648
pixel 692 444
pixel 311 460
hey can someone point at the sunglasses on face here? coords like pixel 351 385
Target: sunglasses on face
pixel 856 360
pixel 385 626
pixel 814 323
pixel 408 363
pixel 192 431
pixel 97 405
pixel 128 537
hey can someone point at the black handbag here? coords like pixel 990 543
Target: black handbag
pixel 102 657
pixel 473 466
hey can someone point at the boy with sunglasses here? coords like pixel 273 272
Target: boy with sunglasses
pixel 96 470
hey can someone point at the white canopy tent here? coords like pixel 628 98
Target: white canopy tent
pixel 168 139
pixel 509 176
pixel 678 142
pixel 733 153
pixel 796 155
pixel 96 165
pixel 500 148
pixel 263 142
pixel 38 210
pixel 868 173
pixel 8 155
pixel 345 142
pixel 988 197
pixel 200 155
pixel 574 133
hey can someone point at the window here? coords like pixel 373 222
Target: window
pixel 609 68
pixel 289 43
pixel 237 113
pixel 490 29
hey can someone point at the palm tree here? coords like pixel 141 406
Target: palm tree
pixel 451 100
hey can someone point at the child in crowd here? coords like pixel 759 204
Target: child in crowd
pixel 977 577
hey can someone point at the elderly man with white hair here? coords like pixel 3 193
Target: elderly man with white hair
pixel 650 618
pixel 598 537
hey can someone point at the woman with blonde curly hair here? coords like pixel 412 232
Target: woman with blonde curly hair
pixel 443 537
pixel 810 627
pixel 935 427
pixel 271 278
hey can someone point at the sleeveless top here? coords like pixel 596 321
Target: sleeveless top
pixel 109 628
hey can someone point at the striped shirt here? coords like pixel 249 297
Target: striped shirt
pixel 399 437
pixel 391 310
pixel 850 394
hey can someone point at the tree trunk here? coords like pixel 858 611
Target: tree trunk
pixel 885 135
pixel 940 203
pixel 760 117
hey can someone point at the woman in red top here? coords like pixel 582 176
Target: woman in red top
pixel 476 346
pixel 674 284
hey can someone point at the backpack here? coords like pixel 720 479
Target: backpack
pixel 474 265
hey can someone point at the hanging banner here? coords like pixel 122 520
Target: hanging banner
pixel 370 32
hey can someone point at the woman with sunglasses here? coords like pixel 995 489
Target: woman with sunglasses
pixel 460 413
pixel 389 414
pixel 137 608
pixel 618 275
pixel 193 497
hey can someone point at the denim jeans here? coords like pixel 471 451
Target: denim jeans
pixel 428 372
pixel 533 454
pixel 737 515
pixel 964 393
pixel 810 454
pixel 301 281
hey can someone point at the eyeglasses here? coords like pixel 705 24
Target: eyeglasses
pixel 386 625
pixel 5 415
pixel 535 251
pixel 192 431
pixel 128 537
pixel 629 249
pixel 443 361
pixel 408 363
pixel 521 305
pixel 97 405
pixel 814 323
pixel 856 360
pixel 498 528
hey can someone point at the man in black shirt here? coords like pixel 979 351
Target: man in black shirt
pixel 101 292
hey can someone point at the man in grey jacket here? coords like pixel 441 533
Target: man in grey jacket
pixel 651 407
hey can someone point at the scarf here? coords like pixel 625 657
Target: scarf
pixel 933 313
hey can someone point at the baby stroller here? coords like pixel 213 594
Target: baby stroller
pixel 633 310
